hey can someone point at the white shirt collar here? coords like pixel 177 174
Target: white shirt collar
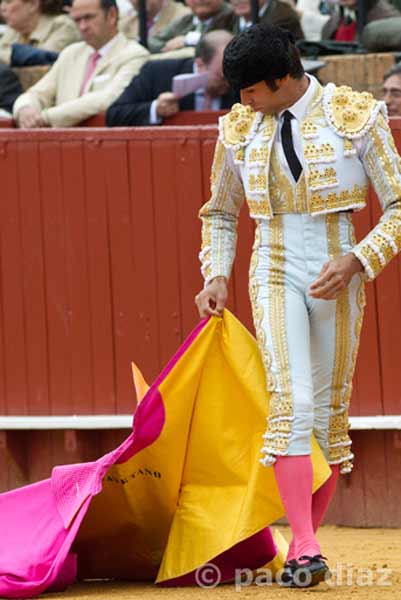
pixel 196 21
pixel 107 47
pixel 300 108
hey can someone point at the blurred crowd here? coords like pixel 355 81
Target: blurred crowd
pixel 90 60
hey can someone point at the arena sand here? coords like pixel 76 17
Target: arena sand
pixel 366 565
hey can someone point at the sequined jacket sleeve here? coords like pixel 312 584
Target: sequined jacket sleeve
pixel 383 166
pixel 220 216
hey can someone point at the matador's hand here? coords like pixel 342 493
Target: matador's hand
pixel 212 300
pixel 335 277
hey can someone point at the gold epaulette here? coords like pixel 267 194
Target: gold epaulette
pixel 238 127
pixel 350 114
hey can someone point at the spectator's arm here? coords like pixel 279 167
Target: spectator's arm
pixel 42 94
pixel 157 42
pixel 73 112
pixel 23 55
pixel 134 104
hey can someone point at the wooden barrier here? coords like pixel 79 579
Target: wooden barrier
pixel 98 267
pixel 363 72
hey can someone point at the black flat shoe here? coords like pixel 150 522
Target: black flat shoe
pixel 310 572
pixel 286 575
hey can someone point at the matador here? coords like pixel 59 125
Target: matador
pixel 302 156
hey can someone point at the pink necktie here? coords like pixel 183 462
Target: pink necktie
pixel 90 69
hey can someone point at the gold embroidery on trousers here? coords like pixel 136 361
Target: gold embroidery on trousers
pixel 346 349
pixel 279 421
pixel 258 313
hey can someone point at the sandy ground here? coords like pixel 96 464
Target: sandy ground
pixel 366 563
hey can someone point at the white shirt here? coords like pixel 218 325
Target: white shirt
pixel 299 110
pixel 104 50
pixel 192 37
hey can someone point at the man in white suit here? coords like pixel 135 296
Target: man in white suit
pixel 88 76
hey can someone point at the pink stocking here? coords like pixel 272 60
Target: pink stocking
pixel 321 498
pixel 294 476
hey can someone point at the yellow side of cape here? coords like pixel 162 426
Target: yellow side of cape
pixel 199 488
pixel 226 494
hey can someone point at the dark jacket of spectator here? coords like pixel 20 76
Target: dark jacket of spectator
pixel 10 88
pixel 280 14
pixel 155 77
pixel 376 9
pixel 223 19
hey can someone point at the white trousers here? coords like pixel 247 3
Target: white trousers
pixel 309 346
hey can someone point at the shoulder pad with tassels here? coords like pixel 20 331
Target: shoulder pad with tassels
pixel 350 114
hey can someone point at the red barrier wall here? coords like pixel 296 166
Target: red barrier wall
pixel 98 262
pixel 98 267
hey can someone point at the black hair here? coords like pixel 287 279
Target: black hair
pixel 369 4
pixel 210 42
pixel 51 7
pixel 106 5
pixel 262 52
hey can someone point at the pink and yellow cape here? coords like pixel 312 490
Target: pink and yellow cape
pixel 184 489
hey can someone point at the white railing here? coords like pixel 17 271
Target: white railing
pixel 125 422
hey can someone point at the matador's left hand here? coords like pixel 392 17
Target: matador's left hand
pixel 335 277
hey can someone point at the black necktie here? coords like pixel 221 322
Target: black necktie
pixel 288 146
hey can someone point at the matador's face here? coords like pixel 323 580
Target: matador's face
pixel 260 97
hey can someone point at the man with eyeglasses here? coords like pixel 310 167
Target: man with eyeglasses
pixel 392 91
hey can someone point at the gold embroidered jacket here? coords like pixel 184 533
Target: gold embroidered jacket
pixel 346 141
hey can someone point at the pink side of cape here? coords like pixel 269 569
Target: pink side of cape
pixel 39 522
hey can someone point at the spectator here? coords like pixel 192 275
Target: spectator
pixel 149 99
pixel 88 76
pixel 36 23
pixel 160 13
pixel 392 91
pixel 342 26
pixel 312 19
pixel 206 15
pixel 274 12
pixel 383 35
pixel 10 88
